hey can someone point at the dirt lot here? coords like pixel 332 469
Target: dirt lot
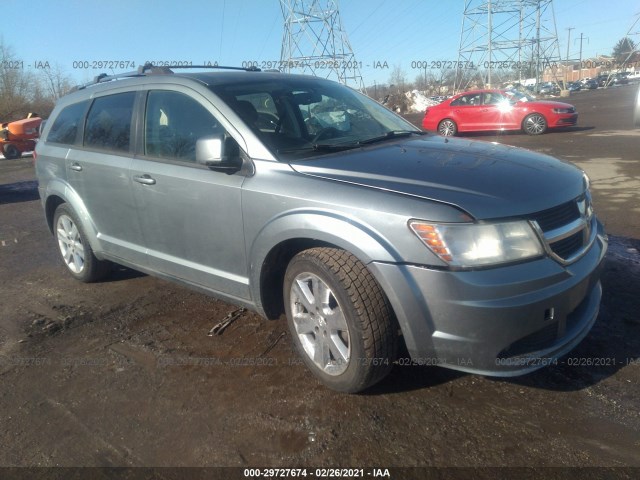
pixel 123 373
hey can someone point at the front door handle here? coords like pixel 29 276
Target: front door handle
pixel 76 166
pixel 145 179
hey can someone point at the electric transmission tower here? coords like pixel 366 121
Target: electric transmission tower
pixel 314 42
pixel 504 40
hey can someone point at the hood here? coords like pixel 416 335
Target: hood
pixel 487 180
pixel 549 103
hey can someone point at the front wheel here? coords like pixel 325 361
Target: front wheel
pixel 534 124
pixel 340 319
pixel 11 152
pixel 75 250
pixel 447 128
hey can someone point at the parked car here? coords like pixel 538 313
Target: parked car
pixel 607 80
pixel 489 110
pixel 438 98
pixel 589 84
pixel 574 86
pixel 621 78
pixel 549 88
pixel 297 195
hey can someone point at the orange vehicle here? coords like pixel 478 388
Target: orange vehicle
pixel 19 136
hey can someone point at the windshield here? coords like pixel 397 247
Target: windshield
pixel 302 117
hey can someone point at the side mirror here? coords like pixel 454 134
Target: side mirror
pixel 211 151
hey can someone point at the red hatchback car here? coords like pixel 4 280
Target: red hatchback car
pixel 486 110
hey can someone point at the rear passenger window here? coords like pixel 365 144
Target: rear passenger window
pixel 65 128
pixel 109 122
pixel 467 100
pixel 173 124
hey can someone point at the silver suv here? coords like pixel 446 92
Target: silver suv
pixel 297 195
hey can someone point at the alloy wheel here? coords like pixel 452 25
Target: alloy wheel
pixel 320 324
pixel 70 244
pixel 447 128
pixel 535 124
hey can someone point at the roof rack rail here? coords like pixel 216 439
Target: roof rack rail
pixel 252 68
pixel 141 71
pixel 149 68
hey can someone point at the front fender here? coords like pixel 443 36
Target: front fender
pixel 325 226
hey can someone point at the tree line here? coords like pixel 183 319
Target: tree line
pixel 23 91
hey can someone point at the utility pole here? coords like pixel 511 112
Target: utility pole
pixel 490 30
pixel 580 58
pixel 538 73
pixel 566 70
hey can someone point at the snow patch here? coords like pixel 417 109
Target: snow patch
pixel 418 101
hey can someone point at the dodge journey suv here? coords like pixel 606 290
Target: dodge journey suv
pixel 296 195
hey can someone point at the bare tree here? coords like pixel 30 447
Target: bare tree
pixel 22 92
pixel 398 78
pixel 15 85
pixel 56 81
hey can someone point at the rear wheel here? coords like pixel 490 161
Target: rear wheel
pixel 447 128
pixel 340 320
pixel 11 152
pixel 534 124
pixel 74 248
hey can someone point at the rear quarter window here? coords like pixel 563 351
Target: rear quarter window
pixel 66 126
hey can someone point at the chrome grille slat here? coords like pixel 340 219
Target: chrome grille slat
pixel 566 230
pixel 556 217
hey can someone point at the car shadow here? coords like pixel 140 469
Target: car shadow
pixel 25 191
pixel 405 378
pixel 507 133
pixel 119 273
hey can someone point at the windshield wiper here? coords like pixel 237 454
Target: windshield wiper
pixel 322 147
pixel 336 147
pixel 391 134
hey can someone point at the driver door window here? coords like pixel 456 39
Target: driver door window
pixel 173 124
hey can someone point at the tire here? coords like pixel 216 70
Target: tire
pixel 360 342
pixel 74 248
pixel 11 152
pixel 447 128
pixel 534 124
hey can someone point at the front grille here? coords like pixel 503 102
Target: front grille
pixel 556 217
pixel 567 121
pixel 567 228
pixel 567 247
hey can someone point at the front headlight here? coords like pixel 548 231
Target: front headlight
pixel 563 110
pixel 468 245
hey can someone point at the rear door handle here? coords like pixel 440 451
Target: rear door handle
pixel 76 166
pixel 145 179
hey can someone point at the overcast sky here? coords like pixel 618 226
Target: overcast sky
pixel 231 32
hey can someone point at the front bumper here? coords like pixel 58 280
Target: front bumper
pixel 502 321
pixel 565 120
